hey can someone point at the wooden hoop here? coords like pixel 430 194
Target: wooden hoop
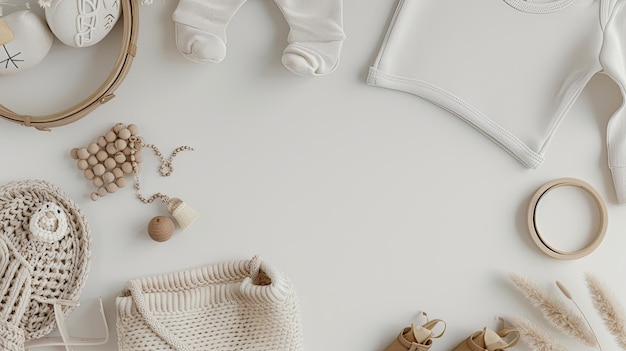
pixel 536 235
pixel 104 92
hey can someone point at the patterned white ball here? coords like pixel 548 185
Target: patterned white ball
pixel 82 23
pixel 30 44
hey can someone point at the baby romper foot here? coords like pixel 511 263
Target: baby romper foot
pixel 315 37
pixel 200 28
pixel 415 337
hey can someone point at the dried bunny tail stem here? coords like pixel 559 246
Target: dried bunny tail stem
pixel 569 296
pixel 555 311
pixel 534 336
pixel 609 308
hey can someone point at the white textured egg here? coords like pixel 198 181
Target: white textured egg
pixel 31 42
pixel 82 23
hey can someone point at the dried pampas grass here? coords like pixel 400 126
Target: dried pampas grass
pixel 609 308
pixel 555 311
pixel 534 336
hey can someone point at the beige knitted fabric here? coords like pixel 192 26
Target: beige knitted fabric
pixel 41 268
pixel 240 305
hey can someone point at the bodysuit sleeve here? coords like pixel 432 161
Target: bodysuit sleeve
pixel 613 60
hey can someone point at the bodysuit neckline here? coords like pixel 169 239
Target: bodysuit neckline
pixel 539 6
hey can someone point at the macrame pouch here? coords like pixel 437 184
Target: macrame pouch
pixel 238 305
pixel 45 252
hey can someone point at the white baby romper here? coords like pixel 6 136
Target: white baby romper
pixel 315 37
pixel 510 68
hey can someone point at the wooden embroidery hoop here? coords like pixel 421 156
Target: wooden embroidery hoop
pixel 104 92
pixel 542 244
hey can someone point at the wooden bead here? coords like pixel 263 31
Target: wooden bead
pixel 93 148
pixel 111 149
pixel 101 191
pixel 94 196
pixel 121 144
pixel 127 167
pixel 82 153
pixel 97 182
pixel 99 169
pixel 139 156
pixel 120 182
pixel 89 174
pixel 102 141
pixel 74 153
pixel 102 155
pixel 116 128
pixel 117 172
pixel 111 187
pixel 108 177
pixel 110 163
pixel 124 133
pixel 92 160
pixel 120 157
pixel 160 228
pixel 82 165
pixel 110 136
pixel 133 129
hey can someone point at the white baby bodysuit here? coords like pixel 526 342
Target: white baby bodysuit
pixel 486 62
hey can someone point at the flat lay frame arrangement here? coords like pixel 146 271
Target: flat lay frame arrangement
pixel 456 333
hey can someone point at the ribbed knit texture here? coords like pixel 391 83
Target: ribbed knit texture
pixel 35 273
pixel 538 6
pixel 239 305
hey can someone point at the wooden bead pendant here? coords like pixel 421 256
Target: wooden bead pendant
pixel 160 228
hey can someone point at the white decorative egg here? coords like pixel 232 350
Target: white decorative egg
pixel 82 23
pixel 31 42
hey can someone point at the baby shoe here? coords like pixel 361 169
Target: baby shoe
pixel 489 340
pixel 415 337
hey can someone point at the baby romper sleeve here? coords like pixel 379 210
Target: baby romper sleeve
pixel 613 60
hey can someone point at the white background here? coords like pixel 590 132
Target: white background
pixel 375 203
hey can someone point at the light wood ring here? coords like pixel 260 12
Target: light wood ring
pixel 104 92
pixel 543 245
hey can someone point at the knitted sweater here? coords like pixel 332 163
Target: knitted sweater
pixel 510 68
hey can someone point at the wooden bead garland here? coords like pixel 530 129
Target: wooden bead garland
pixel 118 153
pixel 104 155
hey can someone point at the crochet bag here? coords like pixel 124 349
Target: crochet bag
pixel 45 251
pixel 240 305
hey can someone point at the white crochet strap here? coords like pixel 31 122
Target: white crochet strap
pixel 65 339
pixel 142 307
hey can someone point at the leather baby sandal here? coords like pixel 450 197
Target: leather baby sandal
pixel 489 340
pixel 416 337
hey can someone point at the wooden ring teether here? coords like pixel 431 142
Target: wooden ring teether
pixel 104 92
pixel 542 244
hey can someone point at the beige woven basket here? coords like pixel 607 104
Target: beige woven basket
pixel 104 92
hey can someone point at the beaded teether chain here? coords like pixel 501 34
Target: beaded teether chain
pixel 119 152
